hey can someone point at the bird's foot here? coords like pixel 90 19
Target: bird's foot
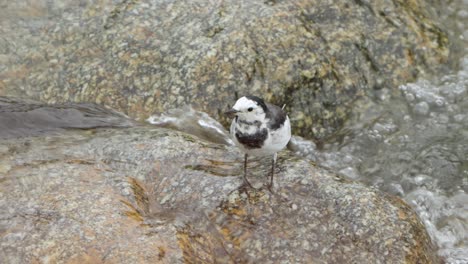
pixel 246 185
pixel 269 186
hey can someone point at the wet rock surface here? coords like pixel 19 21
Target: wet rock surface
pixel 140 57
pixel 146 195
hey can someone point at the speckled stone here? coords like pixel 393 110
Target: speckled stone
pixel 152 195
pixel 141 57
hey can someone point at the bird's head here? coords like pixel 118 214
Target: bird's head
pixel 249 108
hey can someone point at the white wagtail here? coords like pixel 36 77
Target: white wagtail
pixel 259 129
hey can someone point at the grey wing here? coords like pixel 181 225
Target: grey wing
pixel 276 115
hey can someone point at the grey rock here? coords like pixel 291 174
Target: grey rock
pixel 145 195
pixel 139 57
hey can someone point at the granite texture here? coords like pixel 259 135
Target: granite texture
pixel 152 195
pixel 144 57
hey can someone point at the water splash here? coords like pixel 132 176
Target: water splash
pixel 197 123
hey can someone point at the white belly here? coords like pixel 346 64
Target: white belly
pixel 276 141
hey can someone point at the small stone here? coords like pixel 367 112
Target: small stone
pixel 306 245
pixel 304 181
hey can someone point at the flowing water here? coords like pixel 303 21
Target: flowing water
pixel 414 145
pixel 22 118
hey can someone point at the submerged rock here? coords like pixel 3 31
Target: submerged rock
pixel 146 195
pixel 141 57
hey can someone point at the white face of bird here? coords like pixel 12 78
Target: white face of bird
pixel 247 110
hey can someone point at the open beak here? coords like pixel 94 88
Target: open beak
pixel 231 112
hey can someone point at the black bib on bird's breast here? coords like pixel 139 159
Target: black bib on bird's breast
pixel 252 141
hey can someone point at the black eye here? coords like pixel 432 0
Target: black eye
pixel 250 109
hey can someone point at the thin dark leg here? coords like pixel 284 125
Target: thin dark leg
pixel 246 182
pixel 273 163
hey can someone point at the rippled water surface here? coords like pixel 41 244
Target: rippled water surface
pixel 21 118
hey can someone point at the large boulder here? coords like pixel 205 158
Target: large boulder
pixel 146 195
pixel 140 57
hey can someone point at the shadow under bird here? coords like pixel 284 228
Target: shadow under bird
pixel 259 129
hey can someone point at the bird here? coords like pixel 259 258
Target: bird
pixel 260 129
